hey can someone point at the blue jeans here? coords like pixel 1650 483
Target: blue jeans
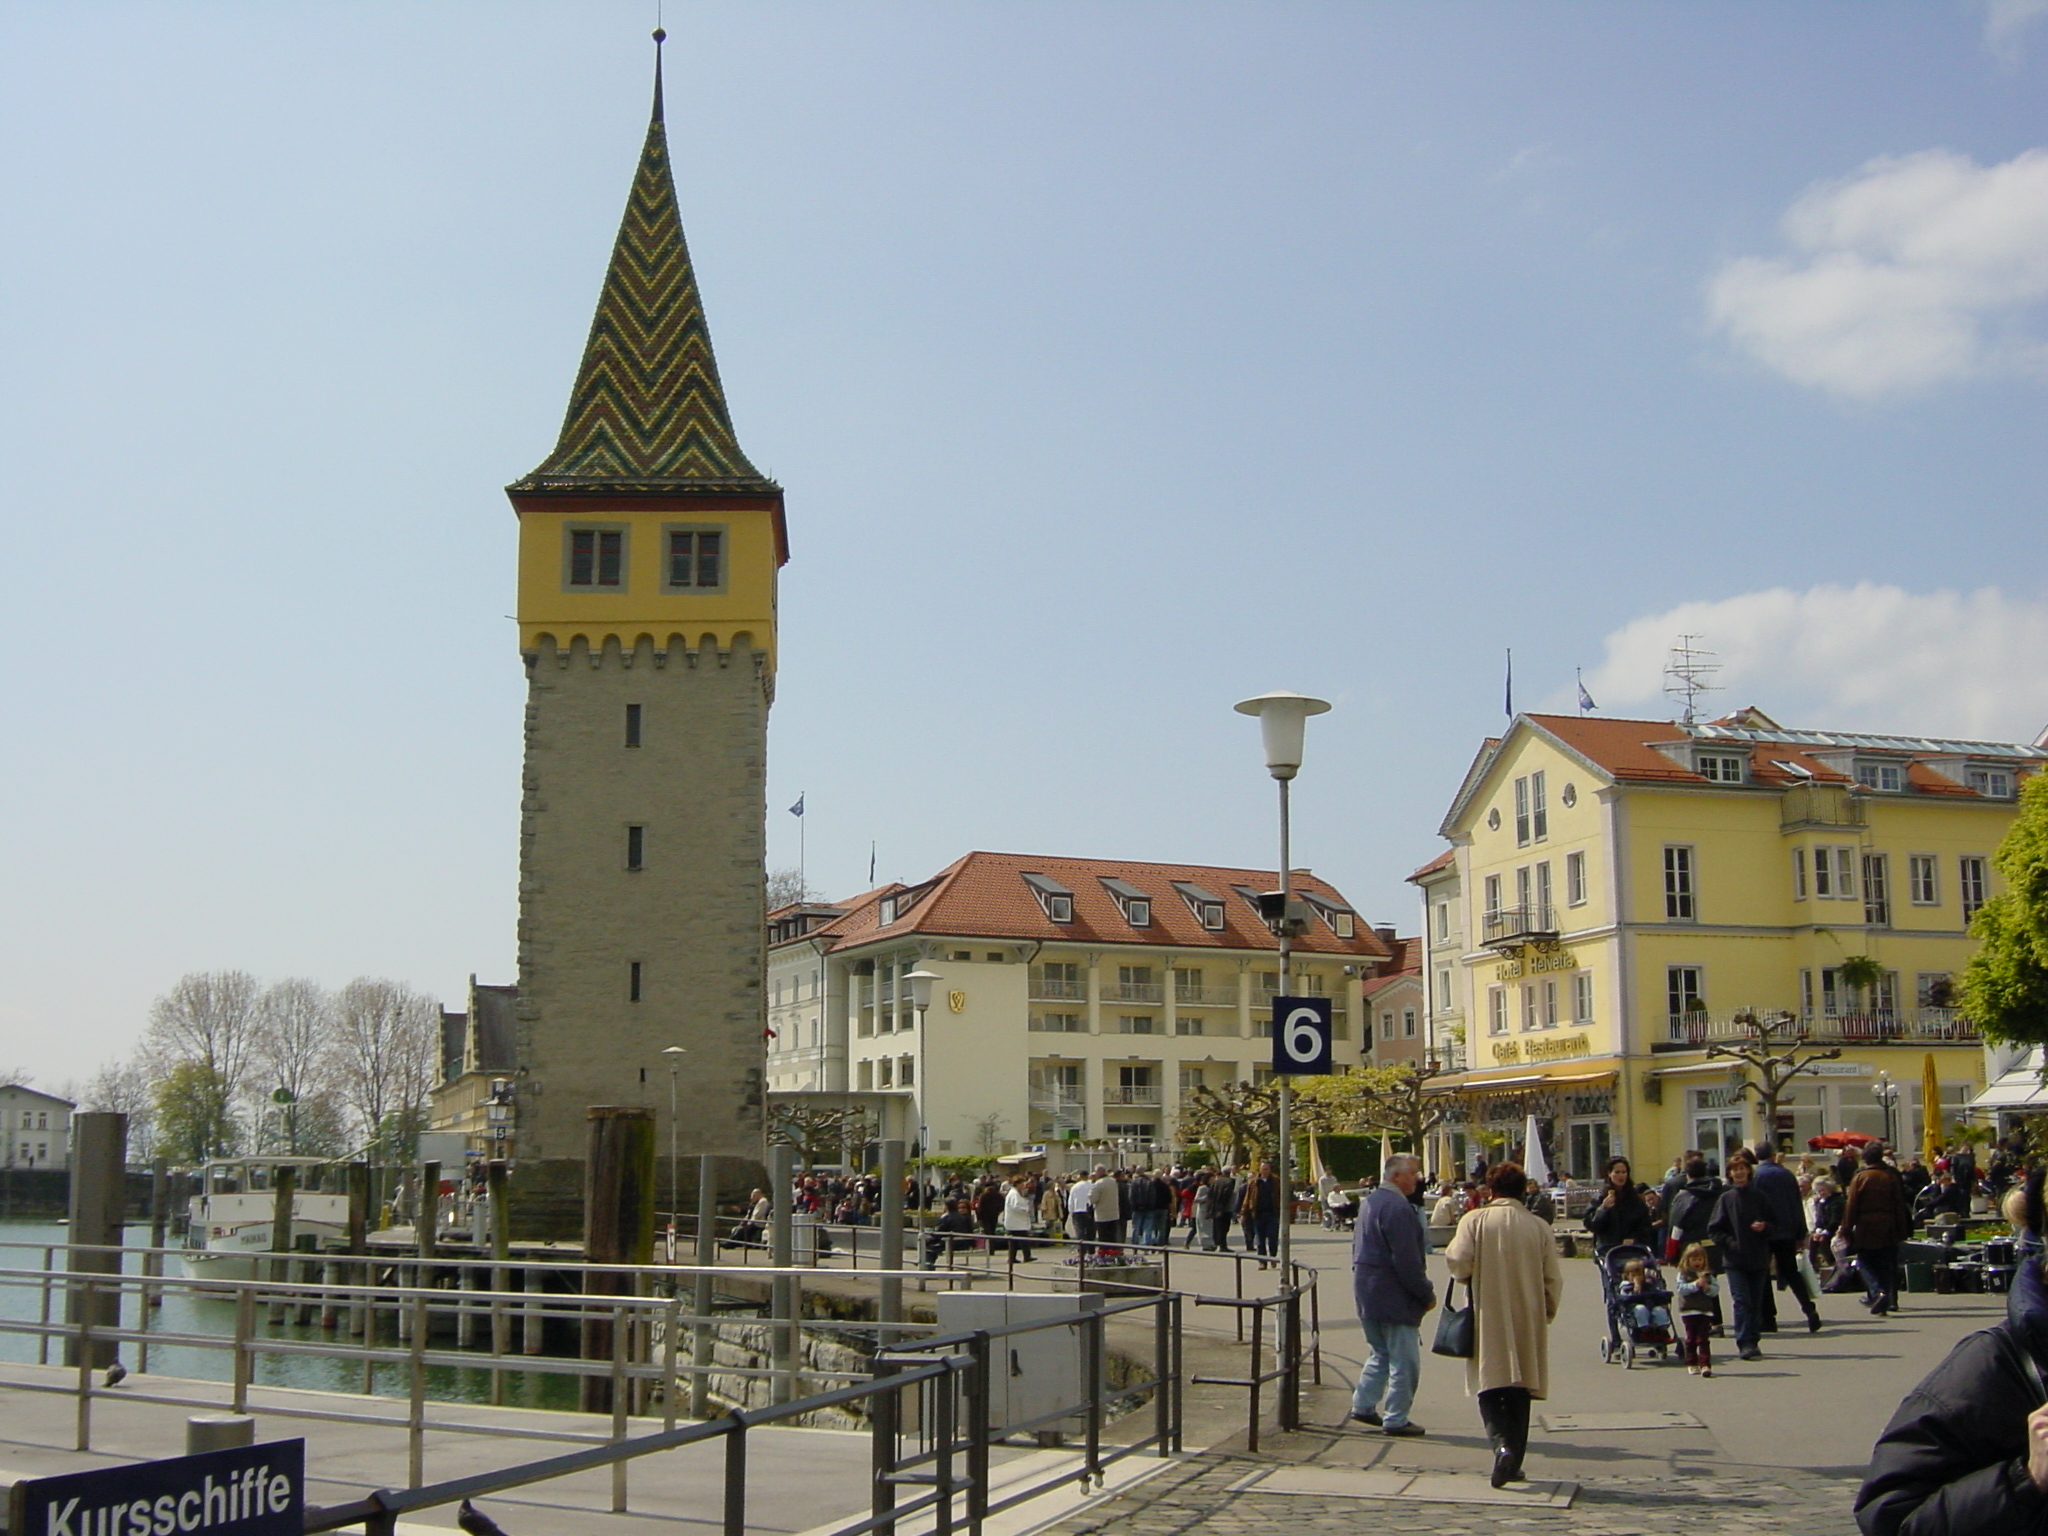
pixel 1393 1362
pixel 1749 1288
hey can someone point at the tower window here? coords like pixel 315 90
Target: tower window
pixel 696 560
pixel 633 982
pixel 636 847
pixel 597 557
pixel 632 725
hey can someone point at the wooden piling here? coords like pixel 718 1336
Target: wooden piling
pixel 618 1222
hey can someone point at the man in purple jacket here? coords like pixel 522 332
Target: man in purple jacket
pixel 1391 1285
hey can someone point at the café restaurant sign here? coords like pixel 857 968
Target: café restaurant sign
pixel 249 1490
pixel 1542 1048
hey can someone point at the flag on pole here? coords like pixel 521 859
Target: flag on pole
pixel 798 808
pixel 1510 699
pixel 1585 698
pixel 871 864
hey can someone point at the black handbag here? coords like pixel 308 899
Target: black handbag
pixel 1454 1325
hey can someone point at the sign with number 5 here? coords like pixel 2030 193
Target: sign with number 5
pixel 1301 1036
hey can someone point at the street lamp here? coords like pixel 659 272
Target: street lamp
pixel 675 1055
pixel 921 998
pixel 1283 720
pixel 1886 1092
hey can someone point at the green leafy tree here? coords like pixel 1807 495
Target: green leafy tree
pixel 2005 985
pixel 194 1120
pixel 1239 1120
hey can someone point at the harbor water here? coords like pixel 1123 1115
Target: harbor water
pixel 28 1247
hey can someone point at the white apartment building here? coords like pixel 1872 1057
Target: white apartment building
pixel 1077 1001
pixel 35 1128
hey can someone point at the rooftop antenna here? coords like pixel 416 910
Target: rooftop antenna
pixel 1687 676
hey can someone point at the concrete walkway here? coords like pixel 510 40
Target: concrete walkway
pixel 1775 1445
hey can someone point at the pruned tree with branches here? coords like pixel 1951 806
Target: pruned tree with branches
pixel 295 1051
pixel 207 1022
pixel 1394 1100
pixel 1239 1121
pixel 1773 1065
pixel 820 1132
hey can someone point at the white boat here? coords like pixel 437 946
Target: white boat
pixel 231 1216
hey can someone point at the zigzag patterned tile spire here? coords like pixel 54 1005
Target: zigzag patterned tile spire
pixel 648 412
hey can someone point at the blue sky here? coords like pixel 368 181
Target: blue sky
pixel 1118 361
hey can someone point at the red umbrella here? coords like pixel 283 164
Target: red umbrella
pixel 1834 1141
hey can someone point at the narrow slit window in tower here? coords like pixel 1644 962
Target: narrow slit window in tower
pixel 632 725
pixel 636 847
pixel 633 982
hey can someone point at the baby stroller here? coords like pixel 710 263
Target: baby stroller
pixel 1625 1336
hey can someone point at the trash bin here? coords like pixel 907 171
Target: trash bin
pixel 1919 1275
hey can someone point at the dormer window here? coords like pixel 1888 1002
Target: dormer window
pixel 1055 899
pixel 1135 904
pixel 1720 767
pixel 1208 908
pixel 1995 783
pixel 887 915
pixel 1887 777
pixel 1341 919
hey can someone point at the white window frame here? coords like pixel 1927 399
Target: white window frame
pixel 1582 997
pixel 1923 879
pixel 1721 767
pixel 1885 778
pixel 1492 896
pixel 1496 1010
pixel 1575 879
pixel 1544 904
pixel 1973 883
pixel 1799 874
pixel 1992 783
pixel 1539 808
pixel 1681 884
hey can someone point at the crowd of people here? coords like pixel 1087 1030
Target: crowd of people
pixel 1751 1230
pixel 1101 1210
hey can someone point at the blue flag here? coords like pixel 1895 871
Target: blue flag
pixel 798 808
pixel 1585 699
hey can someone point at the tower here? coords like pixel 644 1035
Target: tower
pixel 648 552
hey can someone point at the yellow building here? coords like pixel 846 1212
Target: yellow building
pixel 1632 892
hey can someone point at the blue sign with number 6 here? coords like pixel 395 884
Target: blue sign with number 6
pixel 1301 1036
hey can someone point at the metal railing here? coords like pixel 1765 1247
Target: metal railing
pixel 952 1418
pixel 1205 997
pixel 1913 1026
pixel 1511 925
pixel 1053 989
pixel 1134 991
pixel 1148 1093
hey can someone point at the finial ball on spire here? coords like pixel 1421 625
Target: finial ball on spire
pixel 660 37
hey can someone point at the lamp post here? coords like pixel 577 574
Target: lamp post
pixel 1283 719
pixel 675 1055
pixel 1886 1092
pixel 921 998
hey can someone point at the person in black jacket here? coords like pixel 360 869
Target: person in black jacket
pixel 1691 1208
pixel 1621 1215
pixel 1967 1451
pixel 1741 1227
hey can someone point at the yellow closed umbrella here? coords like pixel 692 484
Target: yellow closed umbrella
pixel 1930 1112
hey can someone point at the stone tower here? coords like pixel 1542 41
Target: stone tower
pixel 648 552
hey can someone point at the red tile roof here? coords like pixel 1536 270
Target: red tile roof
pixel 984 895
pixel 1442 861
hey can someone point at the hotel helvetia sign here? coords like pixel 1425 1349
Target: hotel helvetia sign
pixel 251 1490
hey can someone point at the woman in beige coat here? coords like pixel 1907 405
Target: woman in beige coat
pixel 1506 1254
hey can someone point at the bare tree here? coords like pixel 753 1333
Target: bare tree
pixel 820 1132
pixel 388 1048
pixel 786 887
pixel 1395 1100
pixel 1777 1067
pixel 1235 1120
pixel 126 1088
pixel 988 1132
pixel 206 1021
pixel 294 1052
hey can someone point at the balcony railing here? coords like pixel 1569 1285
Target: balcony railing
pixel 1135 991
pixel 1909 1026
pixel 1050 989
pixel 1148 1094
pixel 1205 997
pixel 1519 925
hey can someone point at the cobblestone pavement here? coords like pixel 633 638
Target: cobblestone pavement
pixel 1197 1496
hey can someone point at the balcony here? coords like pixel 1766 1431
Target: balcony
pixel 1134 992
pixel 1519 925
pixel 1147 1094
pixel 1205 997
pixel 1047 989
pixel 1909 1026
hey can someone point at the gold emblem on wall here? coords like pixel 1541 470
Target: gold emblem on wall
pixel 957 1001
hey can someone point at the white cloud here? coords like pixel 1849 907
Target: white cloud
pixel 2005 20
pixel 1861 658
pixel 1915 271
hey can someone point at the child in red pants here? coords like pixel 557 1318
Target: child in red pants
pixel 1696 1292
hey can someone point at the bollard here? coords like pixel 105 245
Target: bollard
pixel 218 1432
